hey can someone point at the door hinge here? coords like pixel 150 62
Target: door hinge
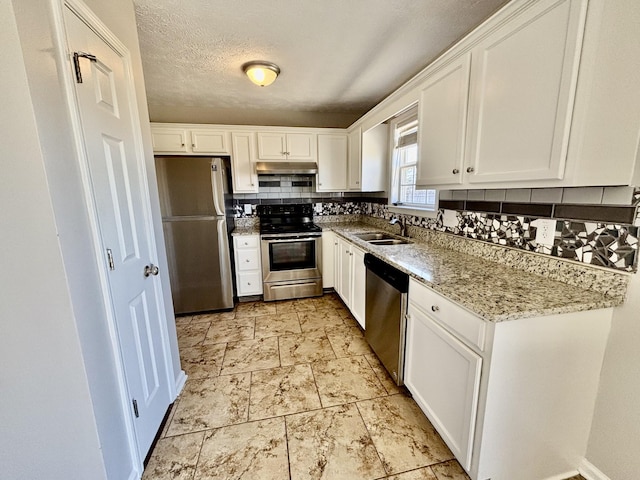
pixel 135 408
pixel 76 63
pixel 112 265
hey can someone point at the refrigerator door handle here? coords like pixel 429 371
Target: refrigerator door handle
pixel 217 185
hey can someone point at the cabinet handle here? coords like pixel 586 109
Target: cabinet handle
pixel 470 169
pixel 248 283
pixel 193 145
pixel 435 308
pixel 247 260
pixel 357 183
pixel 182 144
pixel 335 243
pixel 456 171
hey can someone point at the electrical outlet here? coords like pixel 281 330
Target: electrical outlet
pixel 247 209
pixel 545 231
pixel 318 207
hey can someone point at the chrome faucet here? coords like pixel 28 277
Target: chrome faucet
pixel 403 225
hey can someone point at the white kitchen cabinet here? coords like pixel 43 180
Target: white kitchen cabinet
pixel 328 260
pixel 444 377
pixel 332 163
pixel 289 146
pixel 505 394
pixel 346 271
pixel 195 141
pixel 358 285
pixel 337 264
pixel 248 263
pixel 442 119
pixel 169 139
pixel 523 82
pixel 243 162
pixel 368 160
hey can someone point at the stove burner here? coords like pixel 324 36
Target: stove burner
pixel 287 218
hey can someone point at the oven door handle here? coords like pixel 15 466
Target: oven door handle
pixel 275 287
pixel 290 239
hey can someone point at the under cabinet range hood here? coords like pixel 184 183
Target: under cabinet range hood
pixel 288 168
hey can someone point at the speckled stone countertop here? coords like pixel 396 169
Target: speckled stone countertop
pixel 494 292
pixel 241 230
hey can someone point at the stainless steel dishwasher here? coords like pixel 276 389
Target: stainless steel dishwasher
pixel 386 306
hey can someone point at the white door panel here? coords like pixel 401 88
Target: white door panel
pixel 118 184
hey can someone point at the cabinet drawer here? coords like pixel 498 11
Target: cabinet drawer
pixel 249 283
pixel 247 241
pixel 248 259
pixel 456 319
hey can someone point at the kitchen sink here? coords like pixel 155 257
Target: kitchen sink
pixel 381 238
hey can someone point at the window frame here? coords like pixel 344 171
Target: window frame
pixel 429 210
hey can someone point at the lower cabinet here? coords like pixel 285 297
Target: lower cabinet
pixel 511 399
pixel 248 264
pixel 328 261
pixel 350 277
pixel 434 357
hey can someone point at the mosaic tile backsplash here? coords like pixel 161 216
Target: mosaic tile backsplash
pixel 605 244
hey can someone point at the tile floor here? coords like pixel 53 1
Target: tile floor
pixel 291 390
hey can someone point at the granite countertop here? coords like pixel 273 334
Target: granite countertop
pixel 492 291
pixel 252 230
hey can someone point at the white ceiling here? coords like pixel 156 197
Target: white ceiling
pixel 338 57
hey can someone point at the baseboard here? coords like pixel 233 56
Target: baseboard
pixel 134 475
pixel 180 381
pixel 590 471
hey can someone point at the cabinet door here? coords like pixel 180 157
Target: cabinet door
pixel 345 272
pixel 337 265
pixel 245 179
pixel 169 140
pixel 442 121
pixel 444 377
pixel 301 146
pixel 332 163
pixel 210 141
pixel 375 160
pixel 272 146
pixel 328 239
pixel 358 285
pixel 523 80
pixel 355 159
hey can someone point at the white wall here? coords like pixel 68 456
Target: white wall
pixel 614 442
pixel 46 416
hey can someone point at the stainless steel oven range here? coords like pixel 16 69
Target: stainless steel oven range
pixel 291 251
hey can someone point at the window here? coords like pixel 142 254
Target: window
pixel 404 193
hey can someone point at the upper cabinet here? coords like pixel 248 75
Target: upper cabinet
pixel 368 159
pixel 502 111
pixel 287 146
pixel 195 141
pixel 243 162
pixel 332 163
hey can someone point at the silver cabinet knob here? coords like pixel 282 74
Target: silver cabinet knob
pixel 435 308
pixel 470 169
pixel 247 260
pixel 193 145
pixel 150 270
pixel 456 171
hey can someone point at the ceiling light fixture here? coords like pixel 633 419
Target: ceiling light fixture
pixel 261 73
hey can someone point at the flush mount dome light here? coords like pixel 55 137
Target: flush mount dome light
pixel 261 73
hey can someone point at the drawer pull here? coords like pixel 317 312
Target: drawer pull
pixel 247 260
pixel 456 171
pixel 435 308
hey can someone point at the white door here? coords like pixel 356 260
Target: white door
pixel 358 285
pixel 272 146
pixel 245 179
pixel 301 146
pixel 345 271
pixel 118 181
pixel 355 159
pixel 332 163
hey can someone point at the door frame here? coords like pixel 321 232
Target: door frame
pixel 79 8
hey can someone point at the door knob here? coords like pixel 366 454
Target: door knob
pixel 150 270
pixel 470 169
pixel 456 171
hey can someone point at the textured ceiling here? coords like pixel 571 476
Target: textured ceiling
pixel 338 57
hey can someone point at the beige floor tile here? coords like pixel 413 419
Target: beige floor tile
pixel 318 320
pixel 202 360
pixel 331 444
pixel 304 348
pixel 213 317
pixel 282 391
pixel 385 379
pixel 254 309
pixel 211 403
pixel 285 306
pixel 328 301
pixel 343 312
pixel 403 436
pixel 173 407
pixel 251 451
pixel 278 324
pixel 420 474
pixel 348 341
pixel 174 458
pixel 453 471
pixel 346 380
pixel 183 319
pixel 192 334
pixel 233 330
pixel 251 355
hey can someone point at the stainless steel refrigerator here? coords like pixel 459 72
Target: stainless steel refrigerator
pixel 197 217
